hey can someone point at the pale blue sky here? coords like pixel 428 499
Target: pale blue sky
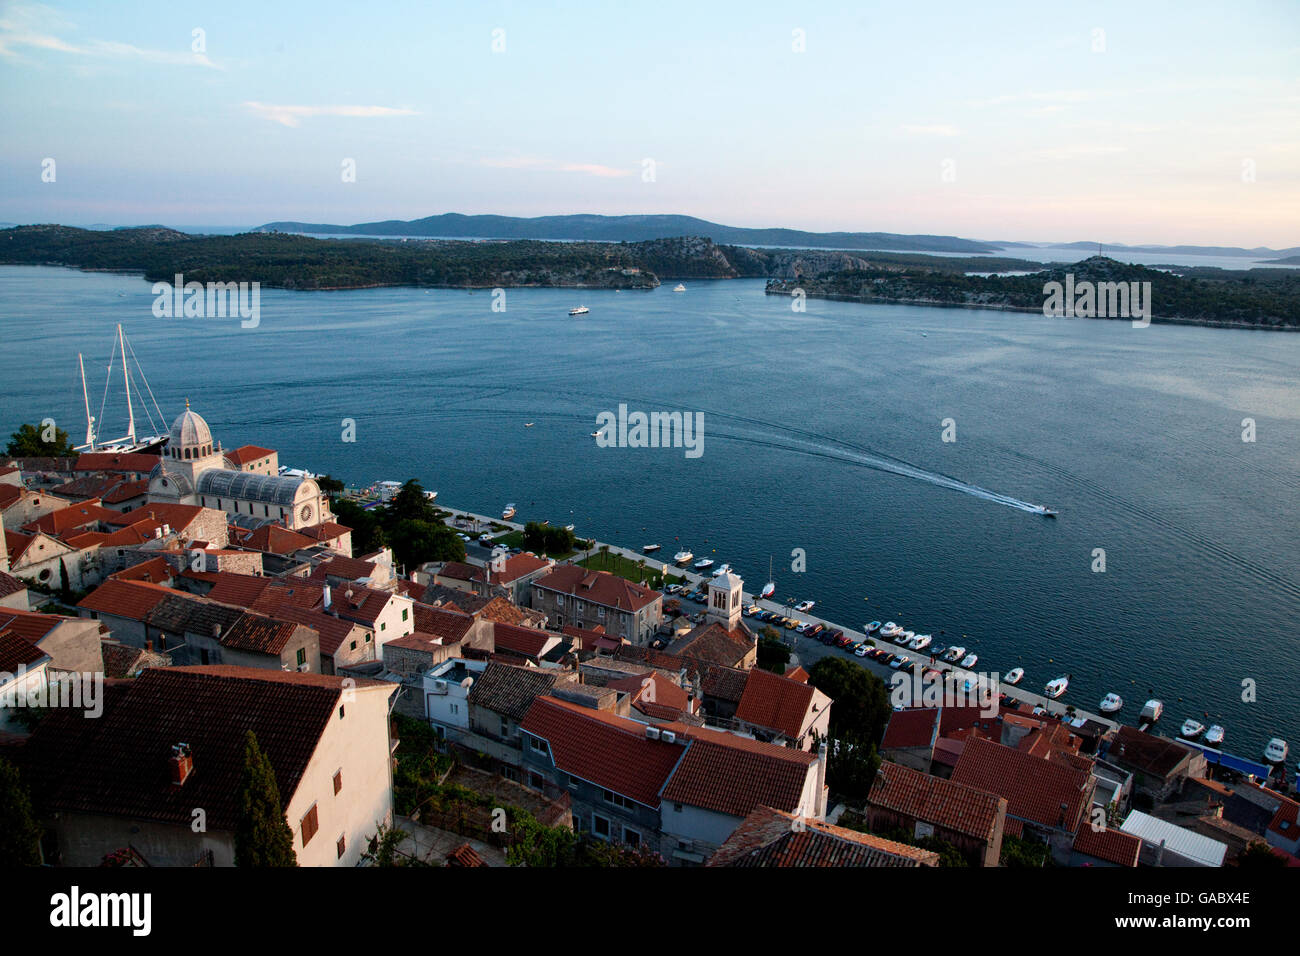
pixel 1046 139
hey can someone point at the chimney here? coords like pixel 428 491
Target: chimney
pixel 182 764
pixel 148 645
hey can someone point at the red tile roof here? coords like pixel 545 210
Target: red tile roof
pixel 451 626
pixel 911 728
pixel 259 634
pixel 349 569
pixel 270 539
pixel 17 652
pixel 1035 789
pixel 934 800
pixel 241 590
pixel 245 453
pixel 1109 843
pixel 525 641
pixel 10 585
pixel 776 703
pixel 1285 823
pixel 156 570
pixel 333 630
pixel 731 774
pixel 74 516
pixel 113 461
pixel 31 626
pixel 127 490
pixel 609 751
pixel 128 599
pixel 598 587
pixel 177 517
pixel 770 838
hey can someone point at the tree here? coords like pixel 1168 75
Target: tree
pixel 367 533
pixel 262 837
pixel 409 504
pixel 861 699
pixel 1258 856
pixel 65 586
pixel 415 541
pixel 330 485
pixel 30 442
pixel 20 835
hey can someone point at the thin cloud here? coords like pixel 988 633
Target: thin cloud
pixel 294 115
pixel 937 129
pixel 36 27
pixel 548 165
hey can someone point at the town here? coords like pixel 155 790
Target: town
pixel 251 692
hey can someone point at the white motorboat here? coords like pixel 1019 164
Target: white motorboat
pixel 682 556
pixel 528 424
pixel 721 569
pixel 649 548
pixel 580 310
pixel 1276 750
pixel 954 653
pixel 1056 687
pixel 890 629
pixel 508 513
pixel 1045 512
pixel 1014 676
pixel 703 563
pixel 920 642
pixel 805 606
pixel 873 627
pixel 970 660
pixel 1214 736
pixel 679 288
pixel 1191 729
pixel 1111 703
pixel 1152 710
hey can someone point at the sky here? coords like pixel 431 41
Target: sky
pixel 1130 122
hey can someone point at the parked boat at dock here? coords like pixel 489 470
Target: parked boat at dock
pixel 1191 729
pixel 1214 736
pixel 1152 710
pixel 1112 704
pixel 805 606
pixel 508 513
pixel 770 587
pixel 703 563
pixel 1056 687
pixel 1014 676
pixel 682 556
pixel 873 627
pixel 1276 750
pixel 649 548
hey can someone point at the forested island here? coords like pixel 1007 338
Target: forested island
pixel 1258 298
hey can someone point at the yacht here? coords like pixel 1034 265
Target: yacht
pixel 1152 710
pixel 682 556
pixel 580 310
pixel 1014 676
pixel 805 606
pixel 508 513
pixel 1191 729
pixel 702 564
pixel 130 442
pixel 1214 736
pixel 1111 703
pixel 770 587
pixel 679 288
pixel 1276 751
pixel 1056 687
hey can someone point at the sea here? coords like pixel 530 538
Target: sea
pixel 883 458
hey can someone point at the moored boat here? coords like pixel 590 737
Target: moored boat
pixel 703 563
pixel 649 548
pixel 1056 687
pixel 1276 750
pixel 770 587
pixel 1214 736
pixel 1152 710
pixel 1014 676
pixel 580 310
pixel 1111 704
pixel 721 569
pixel 873 627
pixel 1191 729
pixel 970 660
pixel 682 556
pixel 805 606
pixel 508 513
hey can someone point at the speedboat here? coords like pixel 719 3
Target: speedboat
pixel 1045 512
pixel 1214 736
pixel 904 637
pixel 568 527
pixel 1111 703
pixel 954 654
pixel 649 548
pixel 889 629
pixel 528 424
pixel 1276 751
pixel 1152 710
pixel 1014 676
pixel 721 570
pixel 805 606
pixel 703 563
pixel 970 660
pixel 580 310
pixel 873 627
pixel 508 513
pixel 1191 729
pixel 920 642
pixel 682 556
pixel 680 288
pixel 1056 687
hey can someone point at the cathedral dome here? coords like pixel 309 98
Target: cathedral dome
pixel 189 430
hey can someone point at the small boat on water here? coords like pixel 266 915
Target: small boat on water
pixel 1152 710
pixel 528 424
pixel 580 310
pixel 1014 676
pixel 568 527
pixel 1111 704
pixel 1276 751
pixel 1191 729
pixel 920 642
pixel 873 627
pixel 770 587
pixel 649 548
pixel 595 434
pixel 954 654
pixel 682 556
pixel 1056 687
pixel 805 606
pixel 721 569
pixel 508 513
pixel 680 288
pixel 703 563
pixel 970 660
pixel 1214 736
pixel 890 630
pixel 1044 511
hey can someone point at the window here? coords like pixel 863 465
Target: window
pixel 341 845
pixel 302 656
pixel 631 837
pixel 342 712
pixel 309 825
pixel 404 612
pixel 618 800
pixel 338 781
pixel 559 600
pixel 537 744
pixel 600 826
pixel 354 645
pixel 536 780
pixel 383 626
pixel 600 612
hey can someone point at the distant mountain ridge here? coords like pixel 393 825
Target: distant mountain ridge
pixel 592 228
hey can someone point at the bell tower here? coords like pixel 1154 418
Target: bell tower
pixel 724 600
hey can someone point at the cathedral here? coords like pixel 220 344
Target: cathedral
pixel 194 471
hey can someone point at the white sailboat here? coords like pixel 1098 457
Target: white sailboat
pixel 130 442
pixel 770 587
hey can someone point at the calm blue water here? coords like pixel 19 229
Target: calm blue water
pixel 1133 434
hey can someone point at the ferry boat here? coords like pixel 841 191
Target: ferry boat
pixel 805 606
pixel 1214 736
pixel 1276 751
pixel 580 310
pixel 1111 704
pixel 1191 729
pixel 508 513
pixel 1056 687
pixel 649 548
pixel 682 556
pixel 1014 676
pixel 679 288
pixel 703 563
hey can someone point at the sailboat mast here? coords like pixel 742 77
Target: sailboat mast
pixel 126 377
pixel 85 396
